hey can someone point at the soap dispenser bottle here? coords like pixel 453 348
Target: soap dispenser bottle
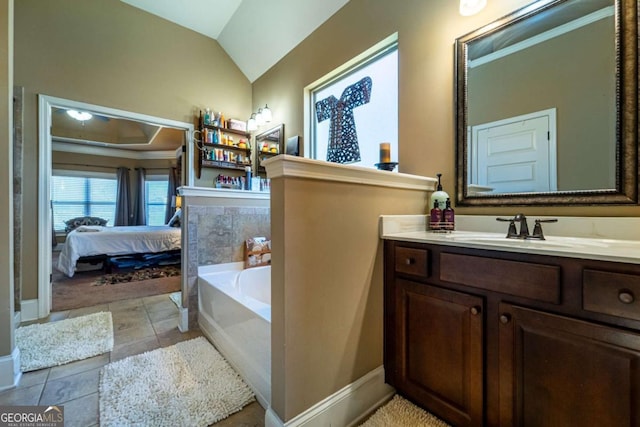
pixel 448 217
pixel 439 195
pixel 435 217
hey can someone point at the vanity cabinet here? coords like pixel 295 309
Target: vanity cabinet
pixel 440 372
pixel 561 371
pixel 485 337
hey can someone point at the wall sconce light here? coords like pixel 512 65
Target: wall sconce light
pixel 260 118
pixel 471 7
pixel 266 114
pixel 251 123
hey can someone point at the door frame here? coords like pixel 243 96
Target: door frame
pixel 45 103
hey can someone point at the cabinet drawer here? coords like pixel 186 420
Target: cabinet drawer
pixel 616 294
pixel 535 281
pixel 411 261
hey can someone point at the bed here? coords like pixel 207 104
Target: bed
pixel 94 240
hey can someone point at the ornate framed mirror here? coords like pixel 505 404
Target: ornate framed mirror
pixel 547 106
pixel 268 144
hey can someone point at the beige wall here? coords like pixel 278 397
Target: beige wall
pixel 6 183
pixel 111 54
pixel 80 162
pixel 327 285
pixel 426 34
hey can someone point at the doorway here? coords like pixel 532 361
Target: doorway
pixel 46 107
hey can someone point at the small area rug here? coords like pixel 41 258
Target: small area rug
pixel 400 412
pixel 43 345
pixel 187 384
pixel 137 275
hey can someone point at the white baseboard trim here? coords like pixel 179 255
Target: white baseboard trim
pixel 345 407
pixel 28 310
pixel 10 373
pixel 183 320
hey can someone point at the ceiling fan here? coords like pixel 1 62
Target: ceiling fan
pixel 81 116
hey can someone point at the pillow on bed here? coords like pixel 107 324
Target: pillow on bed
pixel 74 223
pixel 175 219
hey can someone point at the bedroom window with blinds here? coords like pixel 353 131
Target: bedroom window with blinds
pixel 73 196
pixel 155 193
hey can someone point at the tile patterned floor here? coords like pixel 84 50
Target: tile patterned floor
pixel 139 325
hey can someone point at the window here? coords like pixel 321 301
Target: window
pixel 73 195
pixel 155 192
pixel 356 110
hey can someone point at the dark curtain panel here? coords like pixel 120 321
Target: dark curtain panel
pixel 171 193
pixel 139 211
pixel 122 198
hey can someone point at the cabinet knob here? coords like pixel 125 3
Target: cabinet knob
pixel 626 296
pixel 409 261
pixel 475 310
pixel 505 318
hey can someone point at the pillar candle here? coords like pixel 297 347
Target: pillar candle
pixel 385 152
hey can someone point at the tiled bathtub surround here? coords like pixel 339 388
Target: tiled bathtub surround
pixel 220 232
pixel 216 235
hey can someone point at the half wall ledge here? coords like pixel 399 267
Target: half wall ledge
pixel 294 166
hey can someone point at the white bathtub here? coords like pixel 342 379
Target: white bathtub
pixel 234 312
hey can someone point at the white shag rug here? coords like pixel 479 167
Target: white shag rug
pixel 43 345
pixel 400 412
pixel 186 384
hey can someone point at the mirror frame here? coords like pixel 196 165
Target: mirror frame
pixel 627 177
pixel 263 134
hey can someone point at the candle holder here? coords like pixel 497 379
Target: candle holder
pixel 387 166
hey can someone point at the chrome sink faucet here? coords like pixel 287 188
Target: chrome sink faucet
pixel 513 233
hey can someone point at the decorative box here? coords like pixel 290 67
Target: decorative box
pixel 237 125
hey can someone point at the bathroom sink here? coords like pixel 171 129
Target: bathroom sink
pixel 550 242
pixel 589 240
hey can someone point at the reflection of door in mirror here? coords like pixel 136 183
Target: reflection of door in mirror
pixel 514 155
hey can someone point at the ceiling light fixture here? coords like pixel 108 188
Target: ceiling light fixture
pixel 80 116
pixel 471 7
pixel 259 118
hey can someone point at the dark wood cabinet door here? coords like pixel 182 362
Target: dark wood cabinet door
pixel 438 351
pixel 557 371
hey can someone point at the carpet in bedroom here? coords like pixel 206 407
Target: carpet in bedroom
pixel 80 290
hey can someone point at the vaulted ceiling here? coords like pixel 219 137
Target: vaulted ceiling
pixel 255 33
